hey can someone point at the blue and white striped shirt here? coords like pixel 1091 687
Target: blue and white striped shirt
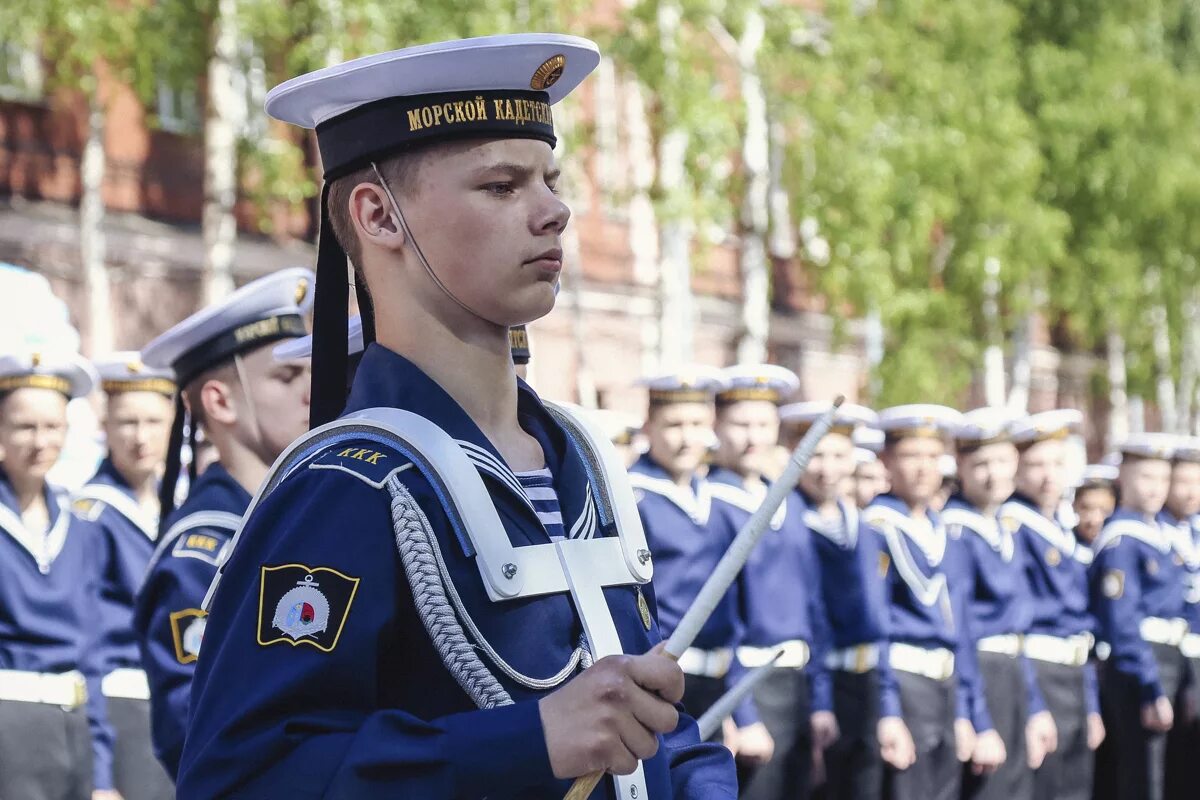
pixel 539 488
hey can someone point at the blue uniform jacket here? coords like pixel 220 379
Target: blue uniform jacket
pixel 367 708
pixel 924 576
pixel 126 540
pixel 998 600
pixel 687 534
pixel 48 616
pixel 1056 572
pixel 1137 574
pixel 168 617
pixel 779 591
pixel 1186 534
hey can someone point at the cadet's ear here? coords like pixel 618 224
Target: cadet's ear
pixel 219 405
pixel 374 217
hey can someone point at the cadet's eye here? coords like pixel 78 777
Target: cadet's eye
pixel 499 189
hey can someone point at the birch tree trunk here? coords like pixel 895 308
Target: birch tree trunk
pixel 676 334
pixel 1164 381
pixel 220 156
pixel 1189 364
pixel 643 225
pixel 756 148
pixel 92 245
pixel 783 234
pixel 1118 401
pixel 1022 365
pixel 993 356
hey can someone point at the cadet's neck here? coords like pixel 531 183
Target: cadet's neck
pixel 30 492
pixel 144 486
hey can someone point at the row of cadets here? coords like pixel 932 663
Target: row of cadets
pixel 870 477
pixel 779 599
pixel 1180 519
pixel 1137 584
pixel 932 689
pixel 999 612
pixel 852 596
pixel 395 618
pixel 54 740
pixel 251 407
pixel 686 531
pixel 121 500
pixel 1061 631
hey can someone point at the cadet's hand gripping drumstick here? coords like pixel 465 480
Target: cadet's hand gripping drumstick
pixel 711 720
pixel 731 563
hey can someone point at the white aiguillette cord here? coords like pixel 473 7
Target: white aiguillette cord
pixel 732 562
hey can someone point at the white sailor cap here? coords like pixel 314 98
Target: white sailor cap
pixel 847 420
pixel 1094 474
pixel 69 374
pixel 692 384
pixel 869 437
pixel 1057 424
pixel 918 420
pixel 1187 448
pixel 768 382
pixel 261 312
pixel 983 426
pixel 302 347
pixel 1154 446
pixel 619 426
pixel 864 456
pixel 125 372
pixel 493 87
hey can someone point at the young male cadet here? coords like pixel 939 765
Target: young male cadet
pixel 121 499
pixel 848 558
pixel 780 602
pixel 999 612
pixel 1179 518
pixel 925 728
pixel 1060 634
pixel 686 533
pixel 870 476
pixel 407 608
pixel 1094 501
pixel 49 665
pixel 1137 583
pixel 251 407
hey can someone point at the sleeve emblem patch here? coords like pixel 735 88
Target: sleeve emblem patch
pixel 303 605
pixel 187 631
pixel 1113 584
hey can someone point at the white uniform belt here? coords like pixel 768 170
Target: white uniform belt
pixel 1190 646
pixel 65 689
pixel 1163 631
pixel 1069 651
pixel 126 684
pixel 857 659
pixel 795 655
pixel 706 663
pixel 935 663
pixel 1004 644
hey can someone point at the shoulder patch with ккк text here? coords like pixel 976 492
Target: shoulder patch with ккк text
pixel 368 461
pixel 205 546
pixel 303 605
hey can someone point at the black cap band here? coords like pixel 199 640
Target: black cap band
pixel 371 131
pixel 244 337
pixel 518 344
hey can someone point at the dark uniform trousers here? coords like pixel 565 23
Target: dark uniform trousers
pixel 1140 755
pixel 1066 774
pixel 782 700
pixel 1183 742
pixel 1007 701
pixel 137 774
pixel 700 692
pixel 853 767
pixel 45 752
pixel 929 708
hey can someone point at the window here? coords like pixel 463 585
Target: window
pixel 21 73
pixel 178 109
